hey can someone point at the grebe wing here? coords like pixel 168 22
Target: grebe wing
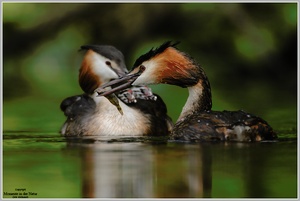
pixel 161 123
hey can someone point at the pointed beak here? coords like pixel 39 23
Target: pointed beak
pixel 119 84
pixel 119 72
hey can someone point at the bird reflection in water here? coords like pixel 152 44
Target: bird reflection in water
pixel 141 170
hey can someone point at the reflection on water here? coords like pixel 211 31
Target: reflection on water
pixel 145 169
pixel 117 170
pixel 141 170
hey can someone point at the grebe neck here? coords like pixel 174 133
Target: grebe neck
pixel 199 99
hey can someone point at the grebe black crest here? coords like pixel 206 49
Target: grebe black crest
pixel 197 122
pixel 141 112
pixel 154 52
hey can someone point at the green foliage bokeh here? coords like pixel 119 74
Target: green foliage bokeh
pixel 248 50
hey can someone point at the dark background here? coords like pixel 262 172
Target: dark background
pixel 248 50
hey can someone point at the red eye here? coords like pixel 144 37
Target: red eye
pixel 108 63
pixel 142 68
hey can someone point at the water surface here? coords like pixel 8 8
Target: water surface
pixel 48 166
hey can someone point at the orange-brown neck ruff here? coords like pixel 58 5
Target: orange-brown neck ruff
pixel 179 69
pixel 176 68
pixel 88 80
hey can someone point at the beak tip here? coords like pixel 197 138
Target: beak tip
pixel 119 84
pixel 99 92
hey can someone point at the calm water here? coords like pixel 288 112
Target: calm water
pixel 45 165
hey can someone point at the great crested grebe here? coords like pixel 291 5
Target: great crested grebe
pixel 87 115
pixel 197 122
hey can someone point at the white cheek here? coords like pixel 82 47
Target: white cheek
pixel 143 79
pixel 106 74
pixel 149 75
pixel 101 69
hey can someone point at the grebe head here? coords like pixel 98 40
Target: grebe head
pixel 101 63
pixel 165 64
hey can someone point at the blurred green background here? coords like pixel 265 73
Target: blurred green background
pixel 248 50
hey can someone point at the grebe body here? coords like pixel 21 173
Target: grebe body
pixel 222 125
pixel 89 115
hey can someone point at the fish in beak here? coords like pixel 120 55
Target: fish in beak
pixel 114 100
pixel 119 84
pixel 109 88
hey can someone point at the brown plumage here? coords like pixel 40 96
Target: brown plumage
pixel 222 125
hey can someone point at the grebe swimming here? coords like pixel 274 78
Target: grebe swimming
pixel 197 122
pixel 143 113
